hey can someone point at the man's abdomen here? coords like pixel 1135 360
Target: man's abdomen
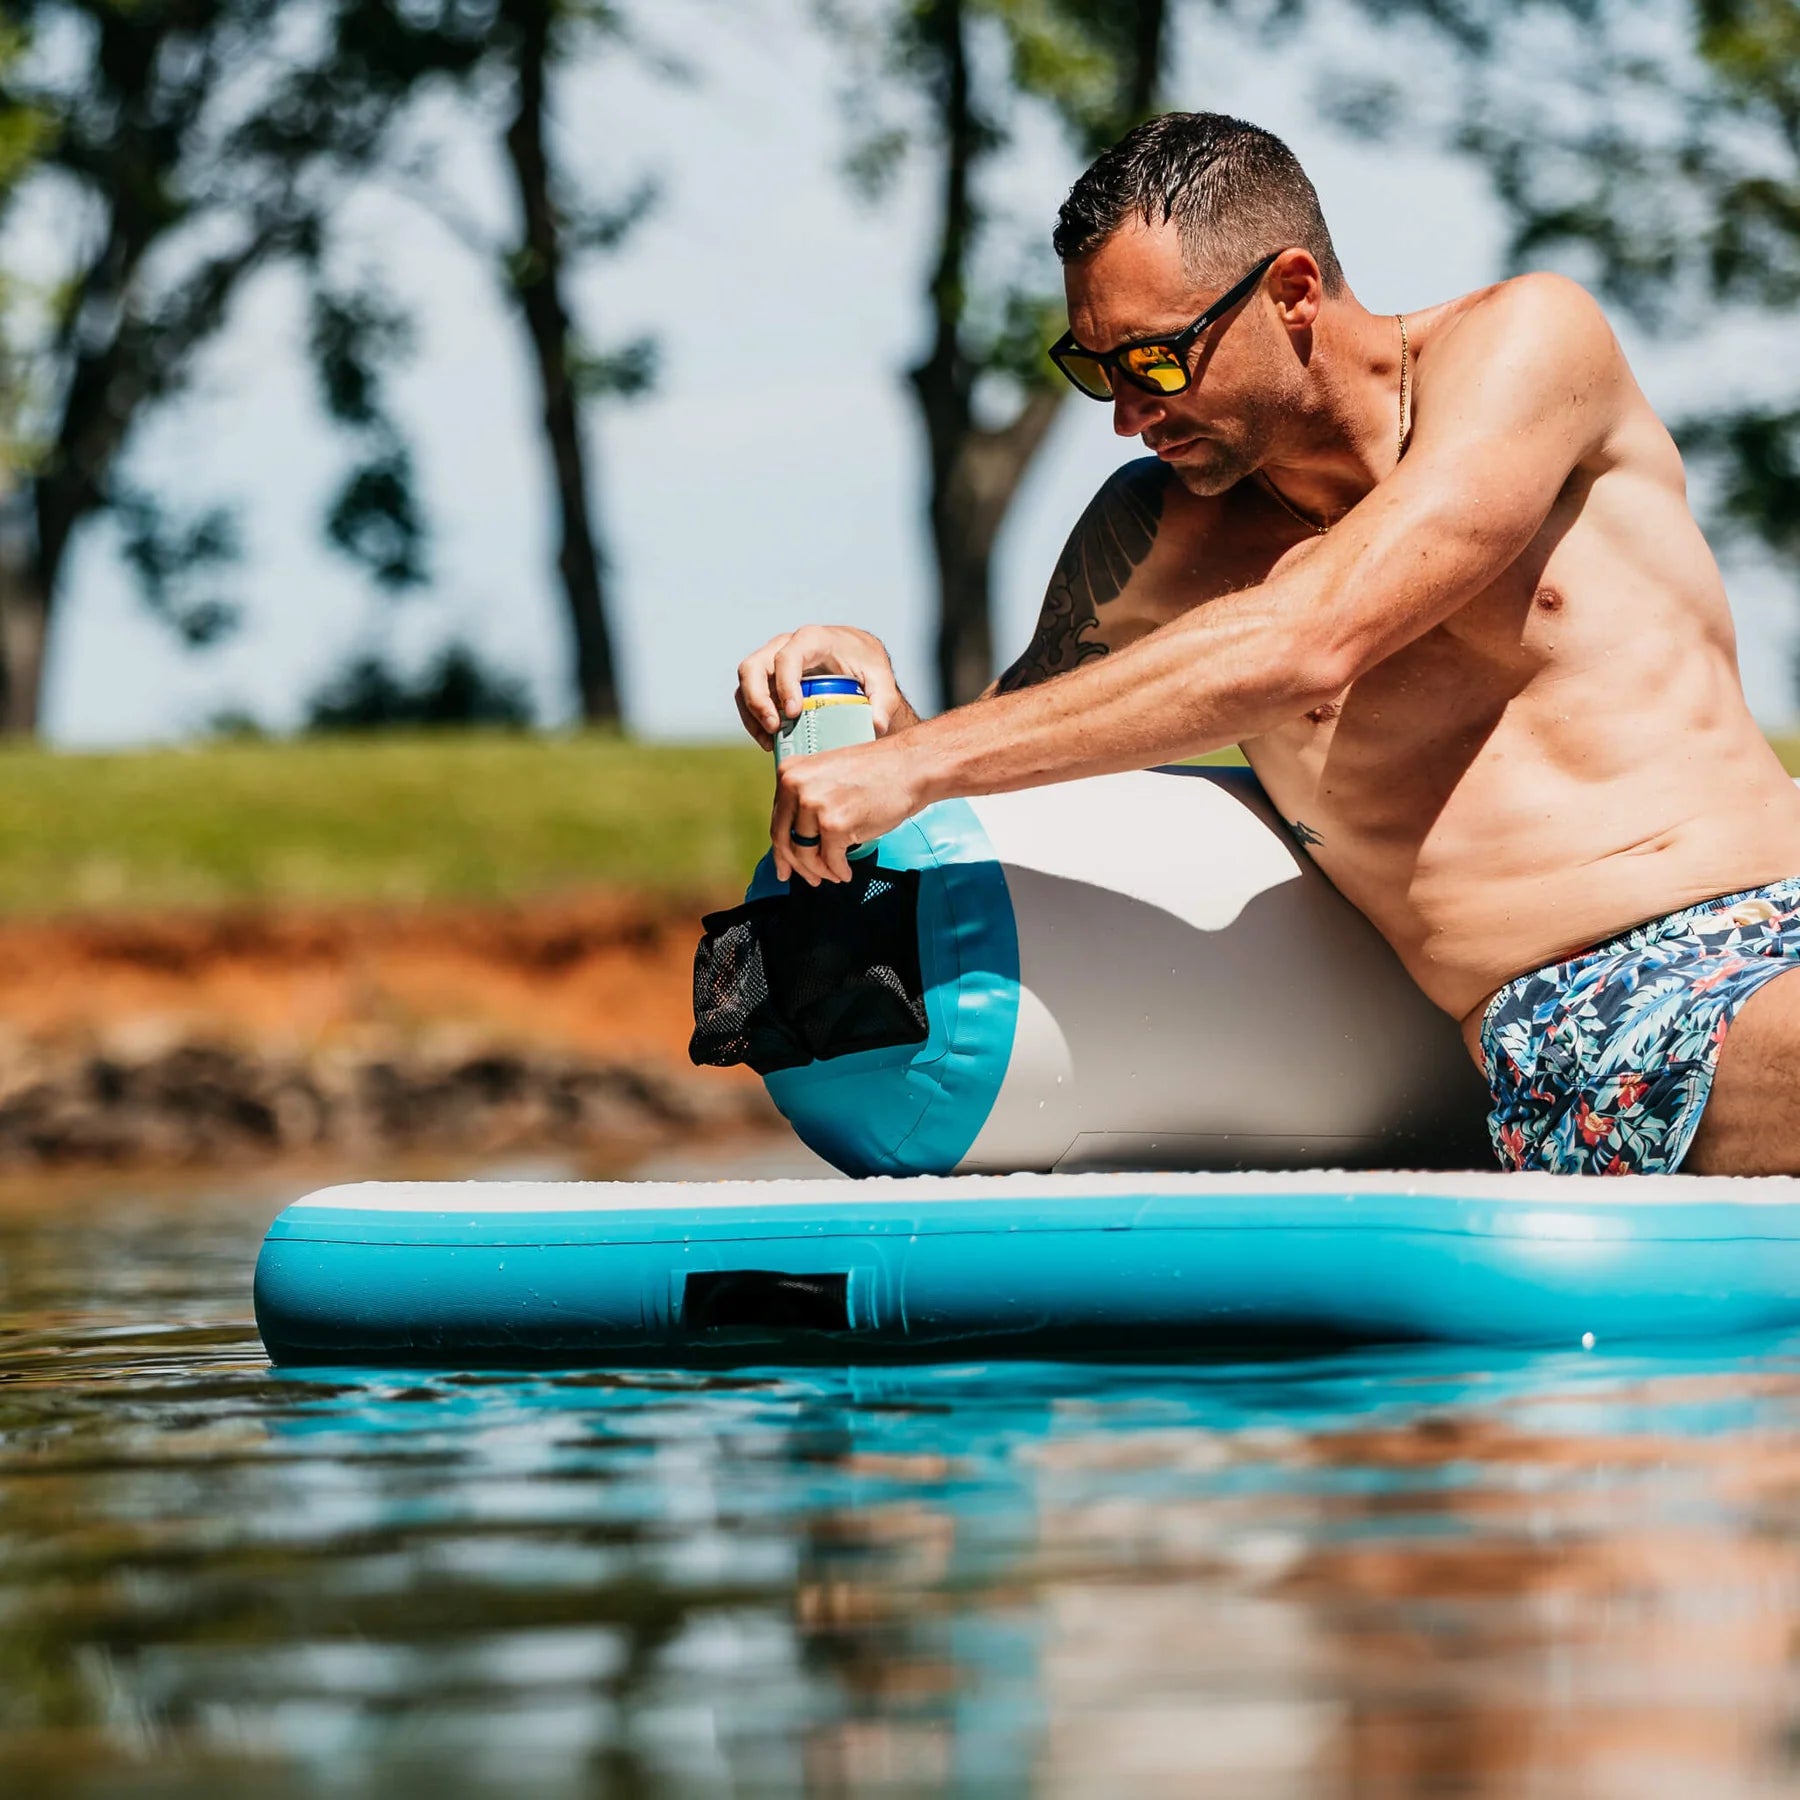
pixel 1481 866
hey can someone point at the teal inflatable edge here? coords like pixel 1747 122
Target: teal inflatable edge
pixel 979 1268
pixel 851 1110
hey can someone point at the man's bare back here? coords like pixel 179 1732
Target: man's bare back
pixel 1567 754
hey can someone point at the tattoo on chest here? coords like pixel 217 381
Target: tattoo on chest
pixel 1303 835
pixel 1110 539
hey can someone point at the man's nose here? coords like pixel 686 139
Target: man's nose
pixel 1134 411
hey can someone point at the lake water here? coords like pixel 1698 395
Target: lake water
pixel 1399 1572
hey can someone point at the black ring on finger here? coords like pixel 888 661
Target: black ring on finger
pixel 800 838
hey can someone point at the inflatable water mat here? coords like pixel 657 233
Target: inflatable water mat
pixel 1139 1266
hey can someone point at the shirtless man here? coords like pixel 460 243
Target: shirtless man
pixel 1436 573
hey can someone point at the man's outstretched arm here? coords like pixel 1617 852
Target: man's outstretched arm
pixel 1115 533
pixel 1521 392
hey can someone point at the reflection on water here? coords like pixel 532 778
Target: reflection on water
pixel 1397 1573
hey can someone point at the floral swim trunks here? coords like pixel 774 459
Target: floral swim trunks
pixel 1602 1064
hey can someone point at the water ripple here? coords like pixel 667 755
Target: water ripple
pixel 1382 1573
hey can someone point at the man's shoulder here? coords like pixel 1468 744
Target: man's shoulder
pixel 1140 480
pixel 1140 498
pixel 1542 315
pixel 1538 291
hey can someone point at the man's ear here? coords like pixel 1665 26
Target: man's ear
pixel 1297 287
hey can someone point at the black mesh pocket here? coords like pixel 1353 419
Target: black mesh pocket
pixel 811 974
pixel 735 1019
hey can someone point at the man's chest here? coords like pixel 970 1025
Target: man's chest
pixel 1196 561
pixel 1540 609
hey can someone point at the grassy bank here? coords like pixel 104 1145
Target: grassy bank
pixel 431 817
pixel 407 818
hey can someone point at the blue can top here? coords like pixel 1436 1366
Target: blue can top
pixel 829 684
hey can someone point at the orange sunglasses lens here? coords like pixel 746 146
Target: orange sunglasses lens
pixel 1093 378
pixel 1157 367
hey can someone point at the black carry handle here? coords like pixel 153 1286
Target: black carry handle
pixel 764 1300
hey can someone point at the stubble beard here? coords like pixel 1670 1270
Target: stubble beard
pixel 1223 462
pixel 1222 468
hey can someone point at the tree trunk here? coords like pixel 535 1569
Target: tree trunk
pixel 24 628
pixel 944 384
pixel 18 591
pixel 975 472
pixel 39 514
pixel 1149 28
pixel 39 517
pixel 538 284
pixel 963 654
pixel 968 509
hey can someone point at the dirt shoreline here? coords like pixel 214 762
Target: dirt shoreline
pixel 255 1034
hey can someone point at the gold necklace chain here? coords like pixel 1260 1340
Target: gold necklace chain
pixel 1405 387
pixel 1288 506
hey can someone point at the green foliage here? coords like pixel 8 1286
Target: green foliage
pixel 1754 45
pixel 352 334
pixel 623 373
pixel 375 520
pixel 1756 453
pixel 953 80
pixel 1011 345
pixel 599 227
pixel 915 83
pixel 1654 146
pixel 167 551
pixel 355 335
pixel 874 158
pixel 192 145
pixel 440 41
pixel 399 818
pixel 24 134
pixel 456 688
pixel 507 73
pixel 1081 57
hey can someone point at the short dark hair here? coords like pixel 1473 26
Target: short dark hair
pixel 1235 192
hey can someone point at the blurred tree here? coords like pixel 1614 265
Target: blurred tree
pixel 557 229
pixel 22 132
pixel 527 48
pixel 985 391
pixel 182 147
pixel 1653 146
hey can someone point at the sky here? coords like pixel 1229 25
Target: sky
pixel 776 476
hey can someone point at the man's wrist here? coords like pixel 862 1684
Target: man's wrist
pixel 931 775
pixel 906 716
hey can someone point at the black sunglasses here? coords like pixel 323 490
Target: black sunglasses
pixel 1158 365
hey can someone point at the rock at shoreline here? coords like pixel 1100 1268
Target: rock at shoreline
pixel 361 1032
pixel 197 1102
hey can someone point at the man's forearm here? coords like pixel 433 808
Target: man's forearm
pixel 905 715
pixel 1229 671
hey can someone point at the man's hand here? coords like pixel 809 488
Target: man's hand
pixel 841 797
pixel 768 689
